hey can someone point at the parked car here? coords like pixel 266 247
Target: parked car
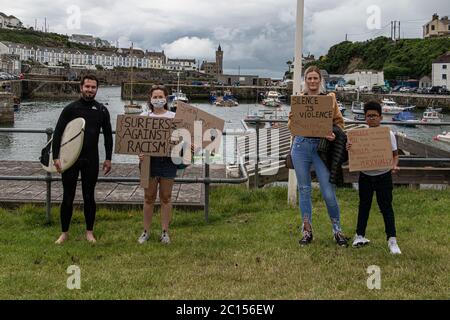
pixel 445 91
pixel 405 89
pixel 363 89
pixel 421 90
pixel 7 76
pixel 380 89
pixel 349 87
pixel 439 90
pixel 397 88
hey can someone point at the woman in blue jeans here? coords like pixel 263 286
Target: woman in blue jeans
pixel 304 156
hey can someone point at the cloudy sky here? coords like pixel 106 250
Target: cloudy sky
pixel 257 35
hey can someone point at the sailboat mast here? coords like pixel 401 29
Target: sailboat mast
pixel 131 54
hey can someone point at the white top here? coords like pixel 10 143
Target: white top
pixel 374 173
pixel 168 114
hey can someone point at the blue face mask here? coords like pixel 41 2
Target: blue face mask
pixel 158 103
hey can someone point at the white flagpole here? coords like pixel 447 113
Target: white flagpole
pixel 292 186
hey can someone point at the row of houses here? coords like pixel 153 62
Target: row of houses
pixel 89 59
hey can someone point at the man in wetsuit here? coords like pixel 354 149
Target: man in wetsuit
pixel 97 117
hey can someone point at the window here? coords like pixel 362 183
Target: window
pixel 444 66
pixel 444 77
pixel 433 28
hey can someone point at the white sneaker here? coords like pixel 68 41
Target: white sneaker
pixel 360 241
pixel 393 246
pixel 144 237
pixel 165 239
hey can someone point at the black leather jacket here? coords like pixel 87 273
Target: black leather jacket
pixel 334 154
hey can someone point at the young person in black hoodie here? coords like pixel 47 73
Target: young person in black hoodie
pixel 97 117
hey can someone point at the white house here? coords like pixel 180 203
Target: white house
pixel 367 78
pixel 425 82
pixel 9 21
pixel 10 63
pixel 180 65
pixel 441 71
pixel 157 60
pixel 79 58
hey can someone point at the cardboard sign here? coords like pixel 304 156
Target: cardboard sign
pixel 312 116
pixel 142 134
pixel 192 119
pixel 371 149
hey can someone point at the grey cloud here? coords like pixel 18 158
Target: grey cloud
pixel 255 34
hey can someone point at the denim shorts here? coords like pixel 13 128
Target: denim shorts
pixel 162 167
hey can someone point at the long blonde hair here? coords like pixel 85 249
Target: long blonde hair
pixel 316 69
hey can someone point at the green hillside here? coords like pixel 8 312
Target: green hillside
pixel 405 58
pixel 36 38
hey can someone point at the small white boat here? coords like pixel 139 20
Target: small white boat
pixel 175 97
pixel 272 99
pixel 357 107
pixel 444 137
pixel 389 106
pixel 432 117
pixel 431 109
pixel 178 96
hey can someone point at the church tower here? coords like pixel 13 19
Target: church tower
pixel 219 60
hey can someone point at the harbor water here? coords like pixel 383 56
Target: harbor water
pixel 44 114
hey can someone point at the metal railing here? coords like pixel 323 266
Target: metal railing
pixel 206 180
pixel 347 122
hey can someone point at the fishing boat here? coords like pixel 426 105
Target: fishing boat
pixel 444 137
pixel 176 96
pixel 432 109
pixel 132 108
pixel 389 106
pixel 272 99
pixel 228 100
pixel 432 117
pixel 358 107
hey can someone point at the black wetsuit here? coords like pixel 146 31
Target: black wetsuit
pixel 96 117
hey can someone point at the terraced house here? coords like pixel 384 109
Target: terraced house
pixel 87 59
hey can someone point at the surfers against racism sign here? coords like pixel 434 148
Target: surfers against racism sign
pixel 146 135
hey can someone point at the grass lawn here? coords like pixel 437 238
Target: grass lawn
pixel 249 250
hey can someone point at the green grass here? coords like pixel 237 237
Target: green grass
pixel 249 250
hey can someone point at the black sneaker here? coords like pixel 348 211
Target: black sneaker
pixel 307 238
pixel 341 240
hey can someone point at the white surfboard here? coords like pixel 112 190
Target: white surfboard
pixel 71 145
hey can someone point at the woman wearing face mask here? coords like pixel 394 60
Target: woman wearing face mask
pixel 305 154
pixel 162 172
